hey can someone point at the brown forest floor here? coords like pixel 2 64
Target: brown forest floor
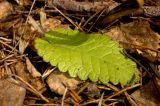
pixel 25 79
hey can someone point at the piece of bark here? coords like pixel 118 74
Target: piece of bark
pixel 151 11
pixel 82 6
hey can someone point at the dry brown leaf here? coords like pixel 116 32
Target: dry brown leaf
pixel 43 16
pixel 26 35
pixel 11 94
pixel 45 25
pixel 5 26
pixel 148 95
pixel 38 84
pixel 20 69
pixel 92 90
pixel 52 23
pixel 6 9
pixel 23 45
pixel 3 33
pixel 137 37
pixel 35 24
pixel 32 70
pixel 58 81
pixel 23 2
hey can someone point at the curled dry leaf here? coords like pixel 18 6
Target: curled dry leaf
pixel 58 81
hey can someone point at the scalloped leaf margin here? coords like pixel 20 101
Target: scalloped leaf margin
pixel 94 56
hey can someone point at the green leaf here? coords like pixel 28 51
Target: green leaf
pixel 94 56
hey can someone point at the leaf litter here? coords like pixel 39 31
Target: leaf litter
pixel 139 37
